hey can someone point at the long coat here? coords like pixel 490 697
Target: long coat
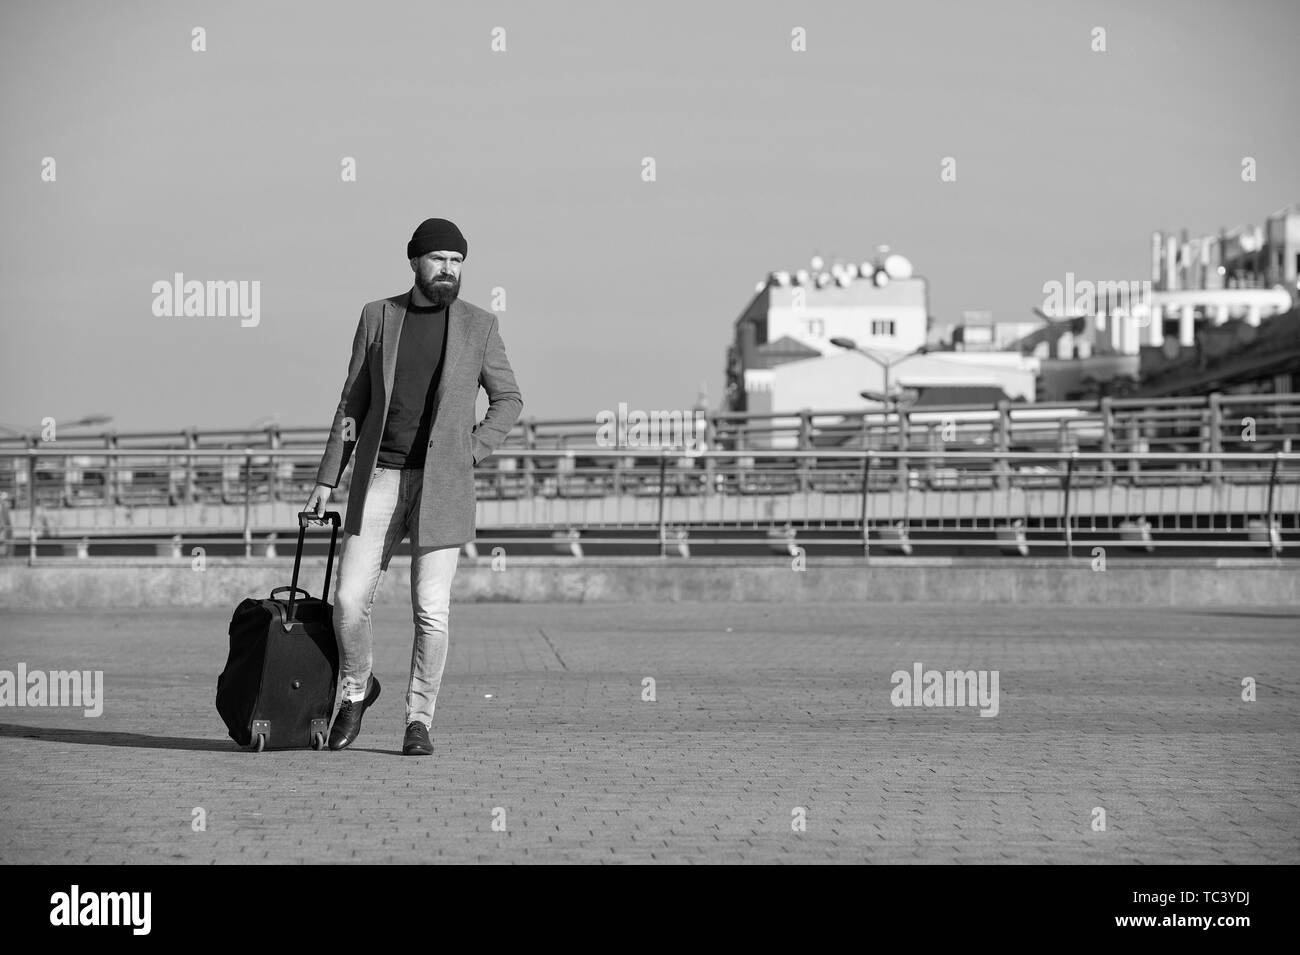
pixel 474 356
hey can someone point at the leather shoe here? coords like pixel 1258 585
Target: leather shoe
pixel 347 724
pixel 417 741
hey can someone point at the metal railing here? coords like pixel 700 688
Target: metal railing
pixel 671 502
pixel 1203 424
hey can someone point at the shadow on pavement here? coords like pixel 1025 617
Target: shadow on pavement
pixel 110 738
pixel 1263 614
pixel 381 752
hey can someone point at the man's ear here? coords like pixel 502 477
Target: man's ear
pixel 415 265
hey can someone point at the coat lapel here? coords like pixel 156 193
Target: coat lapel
pixel 457 337
pixel 394 313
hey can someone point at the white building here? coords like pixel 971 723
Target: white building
pixel 784 359
pixel 835 382
pixel 794 315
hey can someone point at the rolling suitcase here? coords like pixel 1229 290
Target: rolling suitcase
pixel 277 690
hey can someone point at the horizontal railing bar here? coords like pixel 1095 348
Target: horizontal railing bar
pixel 668 452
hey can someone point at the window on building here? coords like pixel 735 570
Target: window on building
pixel 882 326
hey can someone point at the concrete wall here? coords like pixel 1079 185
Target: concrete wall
pixel 57 584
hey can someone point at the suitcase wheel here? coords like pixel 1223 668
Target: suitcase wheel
pixel 259 743
pixel 318 741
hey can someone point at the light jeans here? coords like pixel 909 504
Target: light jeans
pixel 392 502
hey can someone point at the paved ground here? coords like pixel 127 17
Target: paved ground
pixel 760 709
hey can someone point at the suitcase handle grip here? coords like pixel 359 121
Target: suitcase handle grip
pixel 291 589
pixel 335 519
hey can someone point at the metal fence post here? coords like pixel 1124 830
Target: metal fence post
pixel 273 472
pixel 112 472
pixel 530 466
pixel 804 465
pixel 6 526
pixel 904 445
pixel 1273 540
pixel 1002 468
pixel 191 495
pixel 1065 505
pixel 663 479
pixel 1108 437
pixel 1133 433
pixel 866 483
pixel 710 469
pixel 248 498
pixel 1216 438
pixel 31 504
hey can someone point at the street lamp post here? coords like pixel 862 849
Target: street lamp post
pixel 848 344
pixel 888 397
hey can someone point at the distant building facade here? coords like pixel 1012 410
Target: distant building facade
pixel 783 359
pixel 1247 274
pixel 1224 285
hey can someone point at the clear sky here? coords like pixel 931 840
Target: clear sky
pixel 225 165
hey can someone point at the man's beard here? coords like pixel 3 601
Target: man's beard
pixel 441 294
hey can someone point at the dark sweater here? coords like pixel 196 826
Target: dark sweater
pixel 410 409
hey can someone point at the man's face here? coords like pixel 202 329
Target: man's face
pixel 437 276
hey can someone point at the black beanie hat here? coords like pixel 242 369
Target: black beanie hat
pixel 434 235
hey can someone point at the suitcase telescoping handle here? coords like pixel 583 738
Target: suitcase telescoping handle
pixel 334 519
